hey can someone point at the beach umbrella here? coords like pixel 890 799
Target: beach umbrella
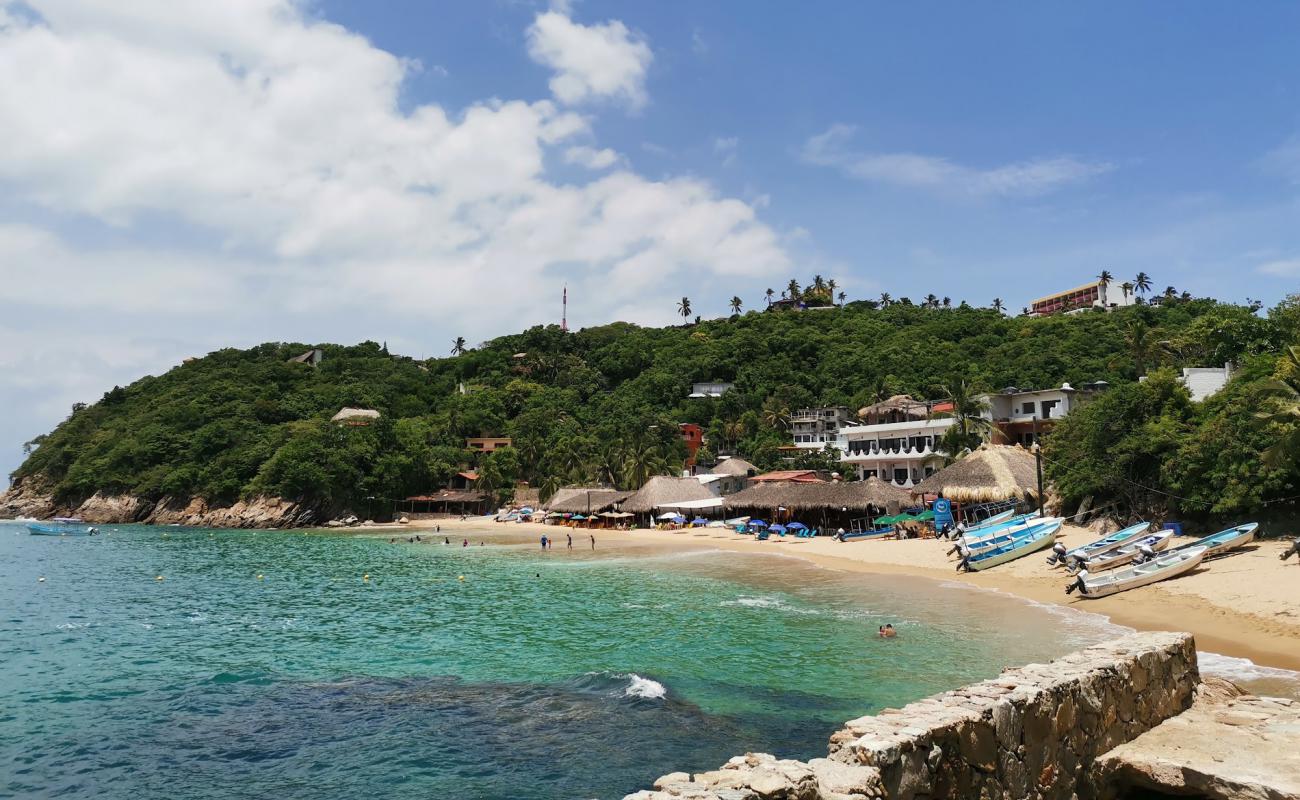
pixel 679 519
pixel 924 516
pixel 777 529
pixel 887 520
pixel 668 515
pixel 717 523
pixel 577 516
pixel 699 521
pixel 796 526
pixel 757 523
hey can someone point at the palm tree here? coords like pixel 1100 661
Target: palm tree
pixel 931 301
pixel 968 410
pixel 792 288
pixel 1140 346
pixel 769 294
pixel 885 300
pixel 684 308
pixel 843 297
pixel 997 305
pixel 831 286
pixel 1127 289
pixel 1285 395
pixel 1170 292
pixel 458 346
pixel 1105 278
pixel 735 305
pixel 775 414
pixel 947 302
pixel 1142 283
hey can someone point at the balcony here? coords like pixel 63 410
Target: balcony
pixel 890 454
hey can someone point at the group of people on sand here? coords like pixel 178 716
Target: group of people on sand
pixel 549 542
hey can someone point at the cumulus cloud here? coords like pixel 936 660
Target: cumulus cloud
pixel 832 148
pixel 591 62
pixel 1282 268
pixel 245 162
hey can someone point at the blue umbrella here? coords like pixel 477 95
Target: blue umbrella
pixel 757 523
pixel 699 521
pixel 777 529
pixel 679 519
pixel 796 526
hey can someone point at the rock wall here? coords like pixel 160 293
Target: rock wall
pixel 29 500
pixel 1032 732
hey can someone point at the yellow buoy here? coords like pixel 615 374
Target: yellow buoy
pixel 462 577
pixel 259 576
pixel 41 579
pixel 158 578
pixel 365 577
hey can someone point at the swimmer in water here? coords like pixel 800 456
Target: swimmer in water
pixel 887 631
pixel 465 543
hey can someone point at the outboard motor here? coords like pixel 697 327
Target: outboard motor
pixel 1294 550
pixel 1058 555
pixel 1079 583
pixel 1145 554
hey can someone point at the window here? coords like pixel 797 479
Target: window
pixel 1027 407
pixel 1048 405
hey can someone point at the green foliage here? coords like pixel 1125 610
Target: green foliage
pixel 603 404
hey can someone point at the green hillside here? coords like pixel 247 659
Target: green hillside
pixel 603 404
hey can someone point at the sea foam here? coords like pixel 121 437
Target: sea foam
pixel 644 687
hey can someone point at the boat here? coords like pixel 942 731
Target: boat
pixel 1030 541
pixel 1122 555
pixel 996 519
pixel 1117 539
pixel 1005 535
pixel 1001 528
pixel 62 527
pixel 1219 543
pixel 1167 565
pixel 878 533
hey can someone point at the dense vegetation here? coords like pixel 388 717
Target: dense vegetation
pixel 603 404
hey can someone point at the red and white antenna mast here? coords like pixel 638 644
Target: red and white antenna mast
pixel 564 310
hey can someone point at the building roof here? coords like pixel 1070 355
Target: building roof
pixel 854 496
pixel 663 489
pixel 991 473
pixel 449 496
pixel 795 475
pixel 734 466
pixel 904 403
pixel 469 475
pixel 577 500
pixel 354 413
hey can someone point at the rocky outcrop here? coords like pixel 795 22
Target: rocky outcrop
pixel 1228 745
pixel 27 499
pixel 1031 732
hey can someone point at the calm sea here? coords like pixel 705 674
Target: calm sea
pixel 266 664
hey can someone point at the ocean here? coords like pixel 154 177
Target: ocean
pixel 190 663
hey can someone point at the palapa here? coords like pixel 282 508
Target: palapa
pixel 898 405
pixel 993 472
pixel 665 490
pixel 735 466
pixel 854 496
pixel 584 500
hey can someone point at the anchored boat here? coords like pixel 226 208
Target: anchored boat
pixel 1122 555
pixel 61 526
pixel 1115 540
pixel 1030 541
pixel 1167 565
pixel 1219 543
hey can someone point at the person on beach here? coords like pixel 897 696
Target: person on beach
pixel 887 631
pixel 446 540
pixel 570 540
pixel 1293 550
pixel 543 541
pixel 593 541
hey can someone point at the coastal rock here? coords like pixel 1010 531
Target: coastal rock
pixel 27 497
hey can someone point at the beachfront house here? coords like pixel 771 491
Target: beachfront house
pixel 709 389
pixel 816 427
pixel 898 440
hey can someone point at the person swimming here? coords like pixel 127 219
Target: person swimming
pixel 465 543
pixel 887 631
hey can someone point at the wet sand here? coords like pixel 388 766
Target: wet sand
pixel 1243 606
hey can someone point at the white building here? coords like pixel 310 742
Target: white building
pixel 904 453
pixel 710 389
pixel 814 428
pixel 1203 381
pixel 1020 414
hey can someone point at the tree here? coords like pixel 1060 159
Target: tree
pixel 735 305
pixel 458 346
pixel 1105 278
pixel 792 289
pixel 776 415
pixel 1140 345
pixel 1284 393
pixel 684 307
pixel 997 305
pixel 843 297
pixel 1127 289
pixel 931 301
pixel 1170 292
pixel 769 294
pixel 831 286
pixel 971 426
pixel 885 300
pixel 1142 283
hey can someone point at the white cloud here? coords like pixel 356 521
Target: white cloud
pixel 299 199
pixel 591 62
pixel 1282 268
pixel 725 146
pixel 591 158
pixel 1030 177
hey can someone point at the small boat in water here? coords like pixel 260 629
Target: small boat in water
pixel 1166 565
pixel 1029 541
pixel 1217 544
pixel 61 526
pixel 1119 556
pixel 1113 541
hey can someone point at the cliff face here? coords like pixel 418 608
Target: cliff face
pixel 32 499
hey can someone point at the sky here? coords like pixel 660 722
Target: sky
pixel 179 176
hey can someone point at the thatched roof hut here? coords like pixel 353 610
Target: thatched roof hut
pixel 735 466
pixel 663 490
pixel 992 473
pixel 858 497
pixel 584 501
pixel 899 408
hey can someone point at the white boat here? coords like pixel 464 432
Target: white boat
pixel 1105 545
pixel 1219 543
pixel 1031 541
pixel 1167 565
pixel 996 519
pixel 1122 555
pixel 1007 534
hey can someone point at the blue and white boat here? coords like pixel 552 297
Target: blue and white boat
pixel 1157 542
pixel 1007 533
pixel 1113 541
pixel 1029 541
pixel 1219 543
pixel 996 519
pixel 61 526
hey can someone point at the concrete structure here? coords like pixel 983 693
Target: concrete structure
pixel 710 389
pixel 1205 381
pixel 902 453
pixel 313 357
pixel 693 438
pixel 359 417
pixel 487 444
pixel 1082 298
pixel 1033 732
pixel 1020 414
pixel 816 427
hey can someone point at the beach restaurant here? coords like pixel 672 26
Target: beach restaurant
pixel 663 492
pixel 993 473
pixel 821 505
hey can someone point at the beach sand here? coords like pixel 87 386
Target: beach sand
pixel 1243 606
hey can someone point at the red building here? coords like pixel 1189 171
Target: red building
pixel 693 436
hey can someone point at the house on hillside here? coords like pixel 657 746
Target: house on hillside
pixel 487 444
pixel 313 357
pixel 356 417
pixel 816 427
pixel 463 481
pixel 710 389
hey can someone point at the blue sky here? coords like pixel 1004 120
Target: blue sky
pixel 176 177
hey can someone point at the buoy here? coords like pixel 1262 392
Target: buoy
pixel 41 579
pixel 365 577
pixel 462 577
pixel 259 576
pixel 158 578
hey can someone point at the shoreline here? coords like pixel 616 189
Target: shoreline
pixel 1259 625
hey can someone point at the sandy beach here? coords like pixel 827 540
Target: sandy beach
pixel 1242 606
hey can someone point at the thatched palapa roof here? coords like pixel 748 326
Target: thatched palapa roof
pixel 582 500
pixel 855 496
pixel 734 466
pixel 903 404
pixel 662 490
pixel 993 472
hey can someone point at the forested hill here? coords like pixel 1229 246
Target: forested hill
pixel 601 404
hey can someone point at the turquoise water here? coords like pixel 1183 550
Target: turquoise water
pixel 540 675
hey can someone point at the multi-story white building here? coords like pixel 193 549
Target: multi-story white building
pixel 903 452
pixel 814 428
